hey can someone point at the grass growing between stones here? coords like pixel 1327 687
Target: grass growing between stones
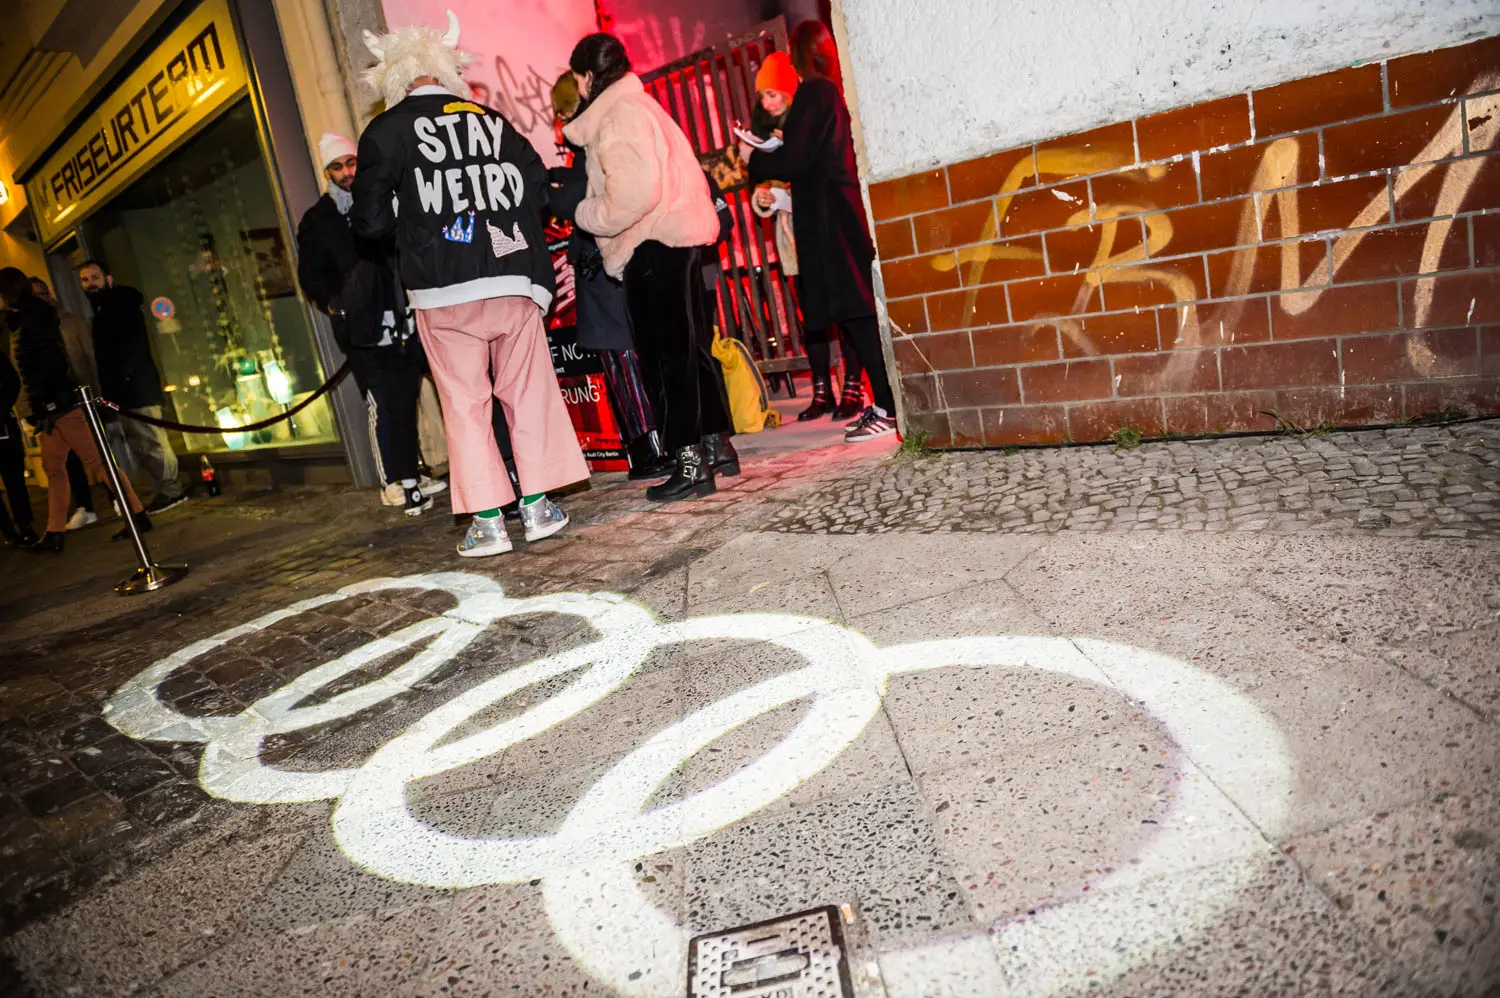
pixel 1127 437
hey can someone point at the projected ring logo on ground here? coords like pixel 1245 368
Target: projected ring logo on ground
pixel 1227 750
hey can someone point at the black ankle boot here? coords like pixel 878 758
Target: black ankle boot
pixel 821 404
pixel 142 524
pixel 852 400
pixel 51 543
pixel 692 478
pixel 721 455
pixel 647 459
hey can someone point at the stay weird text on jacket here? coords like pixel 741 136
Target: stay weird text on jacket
pixel 462 192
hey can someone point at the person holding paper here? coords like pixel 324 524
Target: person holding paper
pixel 776 84
pixel 834 249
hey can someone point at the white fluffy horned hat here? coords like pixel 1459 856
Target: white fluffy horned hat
pixel 411 52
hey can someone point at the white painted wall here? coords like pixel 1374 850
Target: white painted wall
pixel 939 81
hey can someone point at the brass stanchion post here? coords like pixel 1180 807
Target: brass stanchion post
pixel 150 576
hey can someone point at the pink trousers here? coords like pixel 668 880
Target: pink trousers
pixel 496 348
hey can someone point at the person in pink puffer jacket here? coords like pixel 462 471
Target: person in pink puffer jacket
pixel 648 205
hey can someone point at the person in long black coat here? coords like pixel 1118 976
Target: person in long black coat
pixel 834 251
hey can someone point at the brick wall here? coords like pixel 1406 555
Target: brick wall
pixel 1327 249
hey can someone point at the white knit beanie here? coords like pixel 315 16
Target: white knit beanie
pixel 334 146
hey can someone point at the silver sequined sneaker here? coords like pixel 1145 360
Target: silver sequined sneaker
pixel 542 518
pixel 485 537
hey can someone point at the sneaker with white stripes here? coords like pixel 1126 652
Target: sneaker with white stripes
pixel 872 424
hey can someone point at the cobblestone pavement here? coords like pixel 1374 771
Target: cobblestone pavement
pixel 1417 482
pixel 79 804
pixel 1339 595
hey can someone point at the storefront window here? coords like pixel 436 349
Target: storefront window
pixel 200 237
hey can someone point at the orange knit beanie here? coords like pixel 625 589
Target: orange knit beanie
pixel 776 73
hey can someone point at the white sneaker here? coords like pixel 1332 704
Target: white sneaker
pixel 431 486
pixel 542 519
pixel 393 495
pixel 81 518
pixel 484 537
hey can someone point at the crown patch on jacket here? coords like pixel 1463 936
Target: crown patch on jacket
pixel 458 232
pixel 504 245
pixel 462 105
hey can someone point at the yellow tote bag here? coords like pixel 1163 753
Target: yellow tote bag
pixel 749 402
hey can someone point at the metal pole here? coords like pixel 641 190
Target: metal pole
pixel 150 576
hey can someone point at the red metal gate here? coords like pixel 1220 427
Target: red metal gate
pixel 708 93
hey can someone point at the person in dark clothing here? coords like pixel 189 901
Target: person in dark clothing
pixel 128 377
pixel 52 393
pixel 18 525
pixel 649 206
pixel 834 251
pixel 776 84
pixel 354 281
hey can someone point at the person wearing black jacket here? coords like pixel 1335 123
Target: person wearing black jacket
pixel 128 377
pixel 18 525
pixel 354 281
pixel 834 251
pixel 462 193
pixel 52 393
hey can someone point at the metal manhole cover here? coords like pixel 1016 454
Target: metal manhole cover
pixel 795 956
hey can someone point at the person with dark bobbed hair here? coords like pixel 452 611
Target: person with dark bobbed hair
pixel 649 206
pixel 834 251
pixel 52 389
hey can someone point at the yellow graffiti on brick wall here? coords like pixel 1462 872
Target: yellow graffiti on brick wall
pixel 1272 196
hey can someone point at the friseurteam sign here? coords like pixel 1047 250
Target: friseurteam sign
pixel 192 73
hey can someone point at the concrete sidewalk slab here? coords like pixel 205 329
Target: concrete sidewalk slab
pixel 1120 761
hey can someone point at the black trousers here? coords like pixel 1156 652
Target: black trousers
pixel 13 475
pixel 78 481
pixel 390 380
pixel 819 343
pixel 863 334
pixel 674 338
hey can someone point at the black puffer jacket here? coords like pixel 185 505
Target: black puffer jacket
pixel 470 196
pixel 51 386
